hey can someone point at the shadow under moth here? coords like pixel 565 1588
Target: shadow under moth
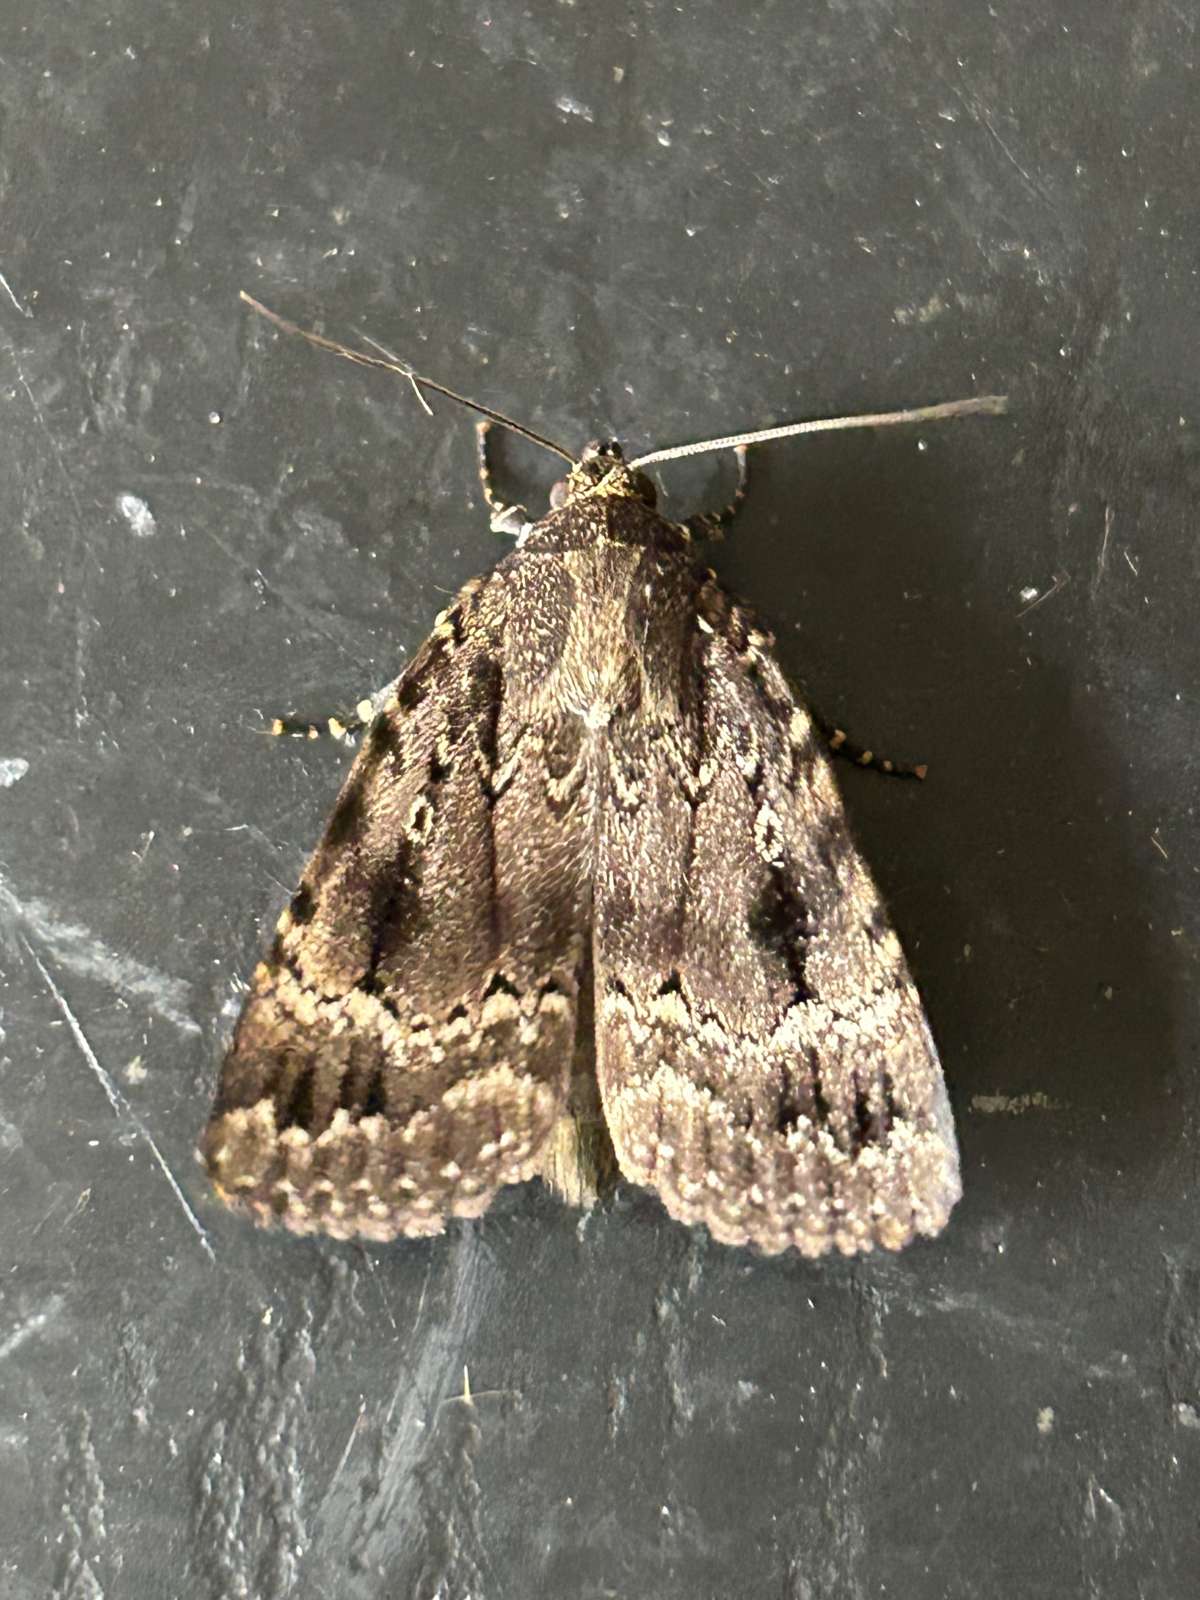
pixel 588 901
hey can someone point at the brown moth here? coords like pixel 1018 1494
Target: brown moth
pixel 588 896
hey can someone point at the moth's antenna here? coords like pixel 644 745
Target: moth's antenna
pixel 991 404
pixel 418 382
pixel 392 356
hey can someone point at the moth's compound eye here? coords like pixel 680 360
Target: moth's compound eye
pixel 558 495
pixel 602 449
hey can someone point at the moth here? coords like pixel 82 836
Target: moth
pixel 588 903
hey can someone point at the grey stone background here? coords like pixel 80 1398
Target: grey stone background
pixel 665 221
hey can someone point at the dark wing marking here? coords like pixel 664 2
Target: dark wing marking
pixel 763 1056
pixel 405 1048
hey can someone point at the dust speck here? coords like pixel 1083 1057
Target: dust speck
pixel 12 770
pixel 928 312
pixel 1045 1420
pixel 570 107
pixel 138 515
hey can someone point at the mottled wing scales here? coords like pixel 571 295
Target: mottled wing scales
pixel 406 1046
pixel 763 1055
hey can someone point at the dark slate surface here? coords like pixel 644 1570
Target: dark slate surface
pixel 664 221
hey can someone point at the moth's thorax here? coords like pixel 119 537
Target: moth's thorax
pixel 609 513
pixel 600 672
pixel 606 643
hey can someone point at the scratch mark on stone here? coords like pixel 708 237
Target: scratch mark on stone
pixel 7 287
pixel 116 1099
pixel 1102 558
pixel 1061 580
pixel 40 415
pixel 355 1429
pixel 979 112
pixel 81 623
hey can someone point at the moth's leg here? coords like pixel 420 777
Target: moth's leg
pixel 712 524
pixel 505 518
pixel 345 729
pixel 494 502
pixel 862 756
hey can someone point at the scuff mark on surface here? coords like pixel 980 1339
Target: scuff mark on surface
pixel 1181 1339
pixel 833 1547
pixel 401 1503
pixel 682 1404
pixel 1104 1514
pixel 1014 1105
pixel 78 950
pixel 34 1323
pixel 250 1519
pixel 929 312
pixel 616 1404
pixel 85 1531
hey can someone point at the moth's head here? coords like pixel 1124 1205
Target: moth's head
pixel 601 469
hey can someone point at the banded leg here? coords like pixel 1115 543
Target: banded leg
pixel 344 729
pixel 862 756
pixel 505 518
pixel 712 524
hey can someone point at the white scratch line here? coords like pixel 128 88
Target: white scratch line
pixel 116 1100
pixel 1102 558
pixel 7 287
pixel 68 483
pixel 355 1428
